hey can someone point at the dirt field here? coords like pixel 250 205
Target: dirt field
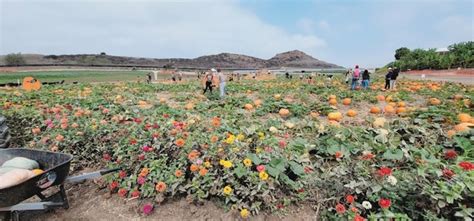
pixel 465 76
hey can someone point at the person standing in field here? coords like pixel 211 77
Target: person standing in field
pixel 148 78
pixel 393 78
pixel 355 77
pixel 388 76
pixel 365 79
pixel 208 85
pixel 180 75
pixel 222 81
pixel 348 75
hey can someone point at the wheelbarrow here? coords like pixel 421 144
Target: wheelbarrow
pixel 56 171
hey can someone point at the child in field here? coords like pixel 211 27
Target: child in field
pixel 209 77
pixel 355 77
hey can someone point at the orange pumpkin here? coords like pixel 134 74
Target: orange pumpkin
pixel 374 110
pixel 346 101
pixel 401 110
pixel 332 101
pixel 31 84
pixel 463 127
pixel 257 102
pixel 389 109
pixel 351 113
pixel 451 133
pixel 284 112
pixel 277 96
pixel 380 98
pixel 464 118
pixel 435 101
pixel 335 116
pixel 401 104
pixel 248 106
pixel 332 96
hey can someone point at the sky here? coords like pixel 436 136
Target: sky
pixel 344 32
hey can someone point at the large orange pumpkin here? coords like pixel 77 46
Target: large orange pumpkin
pixel 257 102
pixel 332 101
pixel 31 84
pixel 401 110
pixel 248 106
pixel 389 109
pixel 284 112
pixel 435 101
pixel 351 113
pixel 401 104
pixel 380 98
pixel 335 116
pixel 374 110
pixel 464 118
pixel 346 101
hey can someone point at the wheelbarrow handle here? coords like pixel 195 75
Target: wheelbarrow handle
pixel 89 176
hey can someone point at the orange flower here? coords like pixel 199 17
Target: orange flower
pixel 180 142
pixel 203 171
pixel 160 187
pixel 59 138
pixel 193 155
pixel 36 130
pixel 144 172
pixel 216 121
pixel 194 168
pixel 214 139
pixel 178 173
pixel 338 154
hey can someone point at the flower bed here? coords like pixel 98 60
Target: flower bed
pixel 267 145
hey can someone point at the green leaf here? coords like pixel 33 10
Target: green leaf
pixel 256 160
pixel 296 168
pixel 393 154
pixel 240 171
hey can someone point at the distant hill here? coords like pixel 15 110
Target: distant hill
pixel 290 59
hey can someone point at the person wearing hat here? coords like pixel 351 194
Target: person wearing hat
pixel 388 76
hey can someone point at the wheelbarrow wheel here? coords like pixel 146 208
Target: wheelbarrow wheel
pixel 4 133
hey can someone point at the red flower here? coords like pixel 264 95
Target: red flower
pixel 260 168
pixel 106 157
pixel 155 135
pixel 156 126
pixel 141 157
pixel 141 180
pixel 122 192
pixel 338 154
pixel 122 174
pixel 349 199
pixel 133 141
pixel 137 120
pixel 166 115
pixel 358 218
pixel 385 171
pixel 448 173
pixel 280 206
pixel 368 156
pixel 282 143
pixel 450 154
pixel 340 208
pixel 467 166
pixel 147 208
pixel 147 126
pixel 135 194
pixel 113 185
pixel 384 203
pixel 147 148
pixel 301 190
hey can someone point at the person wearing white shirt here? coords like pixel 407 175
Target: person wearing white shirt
pixel 222 80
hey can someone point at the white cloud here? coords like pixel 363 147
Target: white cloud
pixel 144 28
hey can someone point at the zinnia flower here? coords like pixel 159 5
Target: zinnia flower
pixel 247 162
pixel 467 166
pixel 122 174
pixel 180 142
pixel 227 190
pixel 367 205
pixel 384 203
pixel 113 185
pixel 203 171
pixel 358 218
pixel 244 213
pixel 349 199
pixel 141 180
pixel 340 208
pixel 450 154
pixel 122 192
pixel 338 154
pixel 160 187
pixel 194 168
pixel 260 168
pixel 144 172
pixel 385 171
pixel 178 173
pixel 135 194
pixel 147 208
pixel 448 173
pixel 263 175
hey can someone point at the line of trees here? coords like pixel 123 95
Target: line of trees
pixel 14 60
pixel 458 55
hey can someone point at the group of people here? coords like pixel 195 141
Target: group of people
pixel 210 79
pixel 357 77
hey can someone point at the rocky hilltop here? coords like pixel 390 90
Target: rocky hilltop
pixel 290 59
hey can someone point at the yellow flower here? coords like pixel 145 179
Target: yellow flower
pixel 230 139
pixel 207 164
pixel 227 164
pixel 227 190
pixel 235 149
pixel 244 213
pixel 258 150
pixel 261 135
pixel 240 137
pixel 247 162
pixel 263 175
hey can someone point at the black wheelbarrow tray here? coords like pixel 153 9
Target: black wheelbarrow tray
pixel 56 171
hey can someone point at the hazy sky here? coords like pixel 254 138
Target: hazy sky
pixel 342 32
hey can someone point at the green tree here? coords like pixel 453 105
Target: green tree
pixel 401 52
pixel 14 59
